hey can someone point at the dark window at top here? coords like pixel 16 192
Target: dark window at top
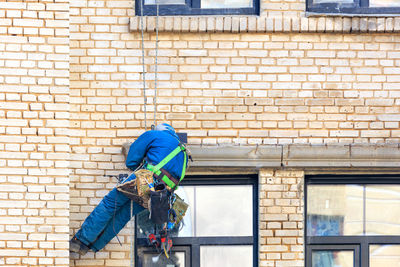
pixel 198 7
pixel 367 7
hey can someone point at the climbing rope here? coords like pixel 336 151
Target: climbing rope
pixel 156 66
pixel 132 236
pixel 145 125
pixel 143 66
pixel 145 101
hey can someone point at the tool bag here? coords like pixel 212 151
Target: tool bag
pixel 180 207
pixel 159 204
pixel 138 189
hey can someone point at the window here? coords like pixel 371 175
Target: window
pixel 198 7
pixel 220 227
pixel 367 7
pixel 352 221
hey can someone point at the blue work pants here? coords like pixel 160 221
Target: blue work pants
pixel 107 219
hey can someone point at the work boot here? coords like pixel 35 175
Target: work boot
pixel 75 245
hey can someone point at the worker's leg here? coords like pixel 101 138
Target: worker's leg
pixel 97 221
pixel 116 224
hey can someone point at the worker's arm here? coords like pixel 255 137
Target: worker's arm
pixel 138 150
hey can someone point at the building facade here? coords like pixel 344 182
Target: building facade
pixel 305 104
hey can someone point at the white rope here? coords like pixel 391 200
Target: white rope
pixel 143 66
pixel 132 251
pixel 145 107
pixel 156 65
pixel 132 235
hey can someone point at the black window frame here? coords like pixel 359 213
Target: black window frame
pixel 193 8
pixel 358 7
pixel 334 247
pixel 363 242
pixel 150 250
pixel 194 243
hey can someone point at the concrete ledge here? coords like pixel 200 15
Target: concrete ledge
pixel 235 156
pixel 316 156
pixel 305 156
pixel 376 156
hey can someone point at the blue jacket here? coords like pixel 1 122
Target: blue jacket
pixel 154 146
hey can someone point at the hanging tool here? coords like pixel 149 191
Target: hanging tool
pixel 166 242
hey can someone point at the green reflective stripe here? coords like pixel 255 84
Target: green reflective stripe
pixel 168 182
pixel 165 178
pixel 183 169
pixel 150 168
pixel 184 166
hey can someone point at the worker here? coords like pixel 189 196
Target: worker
pixel 113 212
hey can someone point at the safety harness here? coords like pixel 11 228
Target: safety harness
pixel 163 175
pixel 162 200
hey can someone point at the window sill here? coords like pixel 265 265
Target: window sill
pixel 261 24
pixel 213 23
pixel 350 15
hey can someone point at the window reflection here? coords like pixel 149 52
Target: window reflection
pixel 333 1
pixel 226 3
pixel 382 209
pixel 326 258
pixel 176 259
pixel 223 210
pixel 217 210
pixel 334 210
pixel 164 2
pixel 384 255
pixel 384 3
pixel 232 256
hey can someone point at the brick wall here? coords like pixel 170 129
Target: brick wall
pixel 241 88
pixel 281 217
pixel 272 86
pixel 224 88
pixel 34 147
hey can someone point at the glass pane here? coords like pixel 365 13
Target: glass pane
pixel 232 256
pixel 384 3
pixel 225 210
pixel 326 258
pixel 384 256
pixel 176 259
pixel 164 2
pixel 226 3
pixel 334 210
pixel 204 216
pixel 187 194
pixel 382 209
